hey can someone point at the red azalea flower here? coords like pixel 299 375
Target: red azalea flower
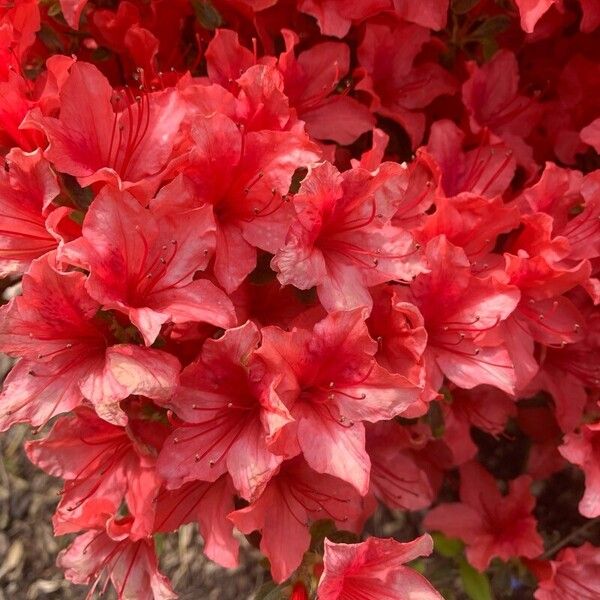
pixel 485 170
pixel 19 23
pixel 332 383
pixel 399 89
pixel 245 176
pixel 143 264
pixel 491 95
pixel 67 356
pixel 375 569
pixel 534 264
pixel 583 449
pixel 573 575
pixel 400 332
pixel 342 241
pixel 310 82
pixel 27 188
pixel 231 415
pixel 461 312
pixel 99 557
pixel 208 504
pixel 470 221
pixel 102 465
pixel 293 498
pixel 490 524
pixel 124 139
pixel 398 478
pixel 569 373
pixel 335 17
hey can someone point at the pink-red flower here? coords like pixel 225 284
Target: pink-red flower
pixel 399 88
pixel 68 353
pixel 245 176
pixel 231 415
pixel 294 497
pixel 102 465
pixel 143 264
pixel 332 383
pixel 341 240
pixel 27 188
pixel 375 569
pixel 573 575
pixel 101 556
pixel 310 84
pixel 208 504
pixel 489 523
pixel 124 138
pixel 583 449
pixel 461 312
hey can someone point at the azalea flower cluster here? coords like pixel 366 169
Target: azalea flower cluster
pixel 284 261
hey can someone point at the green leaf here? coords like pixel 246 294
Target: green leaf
pixel 462 7
pixel 269 591
pixel 77 217
pixel 54 10
pixel 447 547
pixel 208 16
pixel 159 542
pixel 435 417
pixel 491 27
pixel 50 39
pixel 475 584
pixel 418 565
pixel 489 47
pixel 319 530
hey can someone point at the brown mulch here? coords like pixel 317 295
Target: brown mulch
pixel 28 548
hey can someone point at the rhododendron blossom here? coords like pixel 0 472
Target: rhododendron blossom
pixel 489 523
pixel 295 274
pixel 375 568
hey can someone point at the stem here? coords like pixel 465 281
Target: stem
pixel 574 534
